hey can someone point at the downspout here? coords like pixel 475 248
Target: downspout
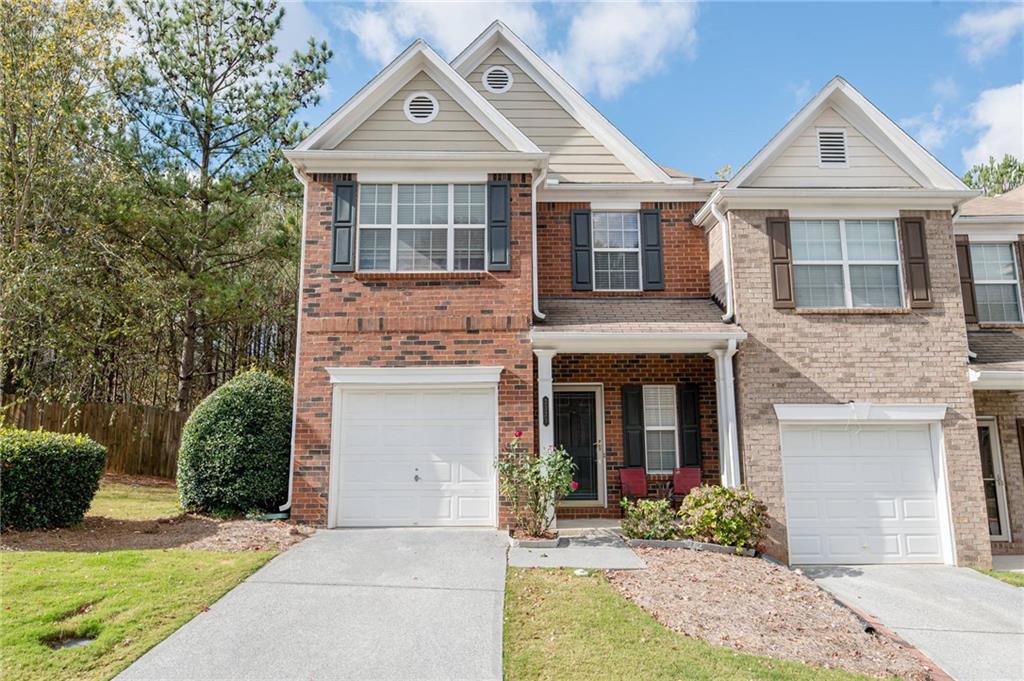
pixel 726 261
pixel 533 236
pixel 298 336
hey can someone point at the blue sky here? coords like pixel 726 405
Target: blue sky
pixel 698 86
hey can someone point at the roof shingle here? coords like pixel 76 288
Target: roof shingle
pixel 632 315
pixel 997 349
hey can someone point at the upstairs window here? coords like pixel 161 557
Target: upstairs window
pixel 996 282
pixel 832 147
pixel 616 251
pixel 422 227
pixel 846 263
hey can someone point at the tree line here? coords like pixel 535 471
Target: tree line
pixel 150 225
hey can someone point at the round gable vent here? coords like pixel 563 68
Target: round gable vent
pixel 497 79
pixel 421 107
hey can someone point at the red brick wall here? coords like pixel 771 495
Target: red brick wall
pixel 614 371
pixel 379 319
pixel 685 252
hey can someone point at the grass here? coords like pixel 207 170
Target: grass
pixel 1011 578
pixel 134 502
pixel 560 627
pixel 128 601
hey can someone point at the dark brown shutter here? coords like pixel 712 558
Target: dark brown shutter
pixel 781 262
pixel 343 228
pixel 1020 257
pixel 688 404
pixel 963 263
pixel 915 255
pixel 650 236
pixel 499 250
pixel 1020 440
pixel 582 279
pixel 633 425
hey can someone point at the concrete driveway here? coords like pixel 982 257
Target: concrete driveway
pixel 971 625
pixel 352 604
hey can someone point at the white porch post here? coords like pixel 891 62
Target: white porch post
pixel 545 399
pixel 728 439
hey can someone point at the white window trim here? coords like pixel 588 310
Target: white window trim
pixel 675 429
pixel 1015 281
pixel 637 250
pixel 992 424
pixel 845 262
pixel 393 228
pixel 846 147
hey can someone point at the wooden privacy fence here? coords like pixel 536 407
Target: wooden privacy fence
pixel 139 440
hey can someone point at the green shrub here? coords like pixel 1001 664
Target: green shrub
pixel 48 479
pixel 235 447
pixel 649 519
pixel 721 515
pixel 534 484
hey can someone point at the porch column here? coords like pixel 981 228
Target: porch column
pixel 545 399
pixel 728 439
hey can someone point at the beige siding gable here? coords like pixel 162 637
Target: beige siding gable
pixel 576 155
pixel 387 129
pixel 797 165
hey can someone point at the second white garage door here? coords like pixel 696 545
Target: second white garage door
pixel 861 494
pixel 416 456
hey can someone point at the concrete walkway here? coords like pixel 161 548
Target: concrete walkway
pixel 596 549
pixel 971 625
pixel 352 604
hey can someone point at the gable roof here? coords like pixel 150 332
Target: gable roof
pixel 418 57
pixel 1008 204
pixel 498 35
pixel 904 151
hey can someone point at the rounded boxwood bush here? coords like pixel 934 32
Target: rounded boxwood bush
pixel 722 515
pixel 235 447
pixel 49 479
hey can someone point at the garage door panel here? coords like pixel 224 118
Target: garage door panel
pixel 860 494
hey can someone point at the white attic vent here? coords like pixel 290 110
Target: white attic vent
pixel 832 147
pixel 421 107
pixel 497 79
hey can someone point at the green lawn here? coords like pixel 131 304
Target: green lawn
pixel 560 627
pixel 1011 578
pixel 128 601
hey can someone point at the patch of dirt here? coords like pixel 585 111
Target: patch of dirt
pixel 756 607
pixel 139 480
pixel 187 531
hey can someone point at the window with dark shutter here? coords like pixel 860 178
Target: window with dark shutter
pixel 633 425
pixel 963 261
pixel 915 255
pixel 343 228
pixel 653 267
pixel 499 226
pixel 781 262
pixel 582 277
pixel 689 424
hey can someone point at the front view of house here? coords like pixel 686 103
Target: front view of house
pixel 485 253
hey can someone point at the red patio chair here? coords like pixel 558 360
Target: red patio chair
pixel 683 480
pixel 633 482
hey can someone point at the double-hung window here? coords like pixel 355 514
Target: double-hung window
pixel 846 263
pixel 422 227
pixel 661 432
pixel 616 251
pixel 996 282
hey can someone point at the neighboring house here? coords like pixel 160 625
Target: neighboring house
pixel 485 253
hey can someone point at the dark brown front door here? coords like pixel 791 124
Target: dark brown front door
pixel 576 430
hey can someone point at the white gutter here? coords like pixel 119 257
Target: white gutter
pixel 723 220
pixel 996 379
pixel 537 182
pixel 298 337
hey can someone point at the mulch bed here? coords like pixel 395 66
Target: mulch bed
pixel 756 607
pixel 185 531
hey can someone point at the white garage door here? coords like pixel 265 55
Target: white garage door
pixel 860 494
pixel 416 456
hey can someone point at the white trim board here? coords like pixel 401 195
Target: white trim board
pixel 416 376
pixel 995 379
pixel 860 412
pixel 574 341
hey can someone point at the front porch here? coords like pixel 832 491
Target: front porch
pixel 638 384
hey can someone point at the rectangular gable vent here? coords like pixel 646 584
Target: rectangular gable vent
pixel 831 147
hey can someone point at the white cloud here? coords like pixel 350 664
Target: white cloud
pixel 945 88
pixel 612 45
pixel 988 31
pixel 999 116
pixel 383 30
pixel 297 27
pixel 930 129
pixel 801 92
pixel 607 46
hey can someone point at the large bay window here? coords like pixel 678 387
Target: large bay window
pixel 422 227
pixel 846 263
pixel 996 282
pixel 616 251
